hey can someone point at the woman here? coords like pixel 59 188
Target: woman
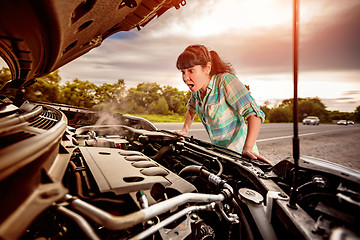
pixel 222 102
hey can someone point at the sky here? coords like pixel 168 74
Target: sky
pixel 255 36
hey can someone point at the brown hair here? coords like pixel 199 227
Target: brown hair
pixel 200 55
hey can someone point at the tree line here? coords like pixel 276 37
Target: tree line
pixel 307 107
pixel 151 98
pixel 145 98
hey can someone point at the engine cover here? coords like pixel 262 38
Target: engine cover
pixel 122 171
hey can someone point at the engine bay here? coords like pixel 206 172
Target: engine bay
pixel 126 181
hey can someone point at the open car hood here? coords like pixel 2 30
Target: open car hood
pixel 38 37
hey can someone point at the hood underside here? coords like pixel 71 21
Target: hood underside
pixel 38 37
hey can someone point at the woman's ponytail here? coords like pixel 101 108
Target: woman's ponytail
pixel 218 65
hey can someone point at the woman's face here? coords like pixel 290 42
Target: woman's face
pixel 197 77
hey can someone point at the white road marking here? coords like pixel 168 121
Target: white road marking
pixel 196 130
pixel 290 136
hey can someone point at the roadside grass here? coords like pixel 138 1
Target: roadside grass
pixel 169 118
pixel 177 118
pixel 164 118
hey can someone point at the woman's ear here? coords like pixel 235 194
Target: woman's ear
pixel 208 68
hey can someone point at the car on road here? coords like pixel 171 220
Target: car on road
pixel 311 120
pixel 342 122
pixel 345 122
pixel 64 177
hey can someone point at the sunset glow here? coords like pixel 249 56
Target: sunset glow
pixel 254 36
pixel 233 15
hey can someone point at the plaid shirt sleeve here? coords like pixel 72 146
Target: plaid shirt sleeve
pixel 191 103
pixel 239 98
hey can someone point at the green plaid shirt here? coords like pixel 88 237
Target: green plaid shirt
pixel 224 109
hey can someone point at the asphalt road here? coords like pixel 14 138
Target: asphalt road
pixel 269 133
pixel 335 143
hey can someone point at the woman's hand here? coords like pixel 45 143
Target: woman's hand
pixel 180 132
pixel 248 152
pixel 189 118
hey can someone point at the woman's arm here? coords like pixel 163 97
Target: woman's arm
pixel 254 123
pixel 189 118
pixel 239 98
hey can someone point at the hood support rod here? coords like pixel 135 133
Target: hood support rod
pixel 296 142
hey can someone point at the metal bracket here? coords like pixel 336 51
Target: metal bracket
pixel 270 196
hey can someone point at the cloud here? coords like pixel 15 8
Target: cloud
pixel 352 92
pixel 328 34
pixel 138 60
pixel 340 104
pixel 332 41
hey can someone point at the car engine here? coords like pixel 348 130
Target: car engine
pixel 133 181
